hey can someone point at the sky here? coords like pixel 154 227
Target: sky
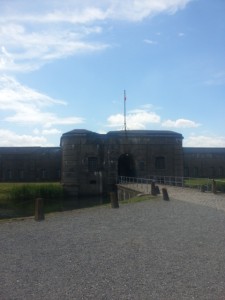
pixel 64 65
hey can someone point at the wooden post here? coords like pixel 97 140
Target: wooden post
pixel 165 194
pixel 114 200
pixel 39 209
pixel 214 187
pixel 157 189
pixel 153 191
pixel 202 188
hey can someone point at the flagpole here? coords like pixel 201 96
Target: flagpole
pixel 125 122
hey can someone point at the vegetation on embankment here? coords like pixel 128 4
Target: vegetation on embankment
pixel 19 198
pixel 206 182
pixel 138 199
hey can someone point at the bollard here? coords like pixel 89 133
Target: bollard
pixel 203 188
pixel 39 209
pixel 153 191
pixel 165 194
pixel 214 187
pixel 157 190
pixel 114 200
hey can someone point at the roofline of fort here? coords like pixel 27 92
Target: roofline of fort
pixel 129 133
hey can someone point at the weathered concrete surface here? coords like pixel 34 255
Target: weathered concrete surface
pixel 148 250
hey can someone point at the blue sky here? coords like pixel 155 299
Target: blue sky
pixel 65 65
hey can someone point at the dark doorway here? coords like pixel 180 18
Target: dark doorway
pixel 126 166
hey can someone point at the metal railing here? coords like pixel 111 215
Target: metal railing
pixel 203 184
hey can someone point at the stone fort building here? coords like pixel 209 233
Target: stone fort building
pixel 88 163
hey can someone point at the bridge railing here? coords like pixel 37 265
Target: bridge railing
pixel 204 184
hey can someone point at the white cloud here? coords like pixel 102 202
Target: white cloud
pixel 5 59
pixel 216 79
pixel 13 95
pixel 51 131
pixel 33 34
pixel 54 120
pixel 26 106
pixel 85 11
pixel 134 10
pixel 74 13
pixel 180 123
pixel 204 141
pixel 26 51
pixel 9 138
pixel 151 42
pixel 136 119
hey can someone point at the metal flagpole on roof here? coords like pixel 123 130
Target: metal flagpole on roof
pixel 125 122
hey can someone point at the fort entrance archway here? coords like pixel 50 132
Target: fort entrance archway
pixel 126 165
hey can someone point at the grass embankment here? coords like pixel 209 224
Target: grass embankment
pixel 138 199
pixel 19 198
pixel 206 182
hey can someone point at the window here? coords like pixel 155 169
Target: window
pixel 142 165
pixel 21 174
pixel 9 174
pixel 160 162
pixel 58 172
pixel 43 174
pixel 195 171
pixel 221 171
pixel 186 171
pixel 92 164
pixel 212 171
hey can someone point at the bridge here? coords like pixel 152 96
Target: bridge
pixel 131 186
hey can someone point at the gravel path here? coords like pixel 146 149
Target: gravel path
pixel 148 250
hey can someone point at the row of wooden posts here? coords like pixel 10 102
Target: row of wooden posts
pixel 39 202
pixel 154 191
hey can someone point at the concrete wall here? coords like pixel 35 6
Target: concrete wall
pixel 125 193
pixel 30 164
pixel 88 163
pixel 204 162
pixel 91 162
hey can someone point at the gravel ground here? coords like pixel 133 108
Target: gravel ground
pixel 148 250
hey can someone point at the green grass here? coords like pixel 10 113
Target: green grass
pixel 198 182
pixel 220 184
pixel 19 198
pixel 194 182
pixel 138 199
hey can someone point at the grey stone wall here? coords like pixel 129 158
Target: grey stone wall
pixel 30 164
pixel 88 163
pixel 92 162
pixel 204 162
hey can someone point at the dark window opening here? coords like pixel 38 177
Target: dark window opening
pixel 126 166
pixel 9 174
pixel 142 165
pixel 221 172
pixel 21 174
pixel 92 164
pixel 160 162
pixel 186 172
pixel 195 171
pixel 43 174
pixel 92 182
pixel 212 172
